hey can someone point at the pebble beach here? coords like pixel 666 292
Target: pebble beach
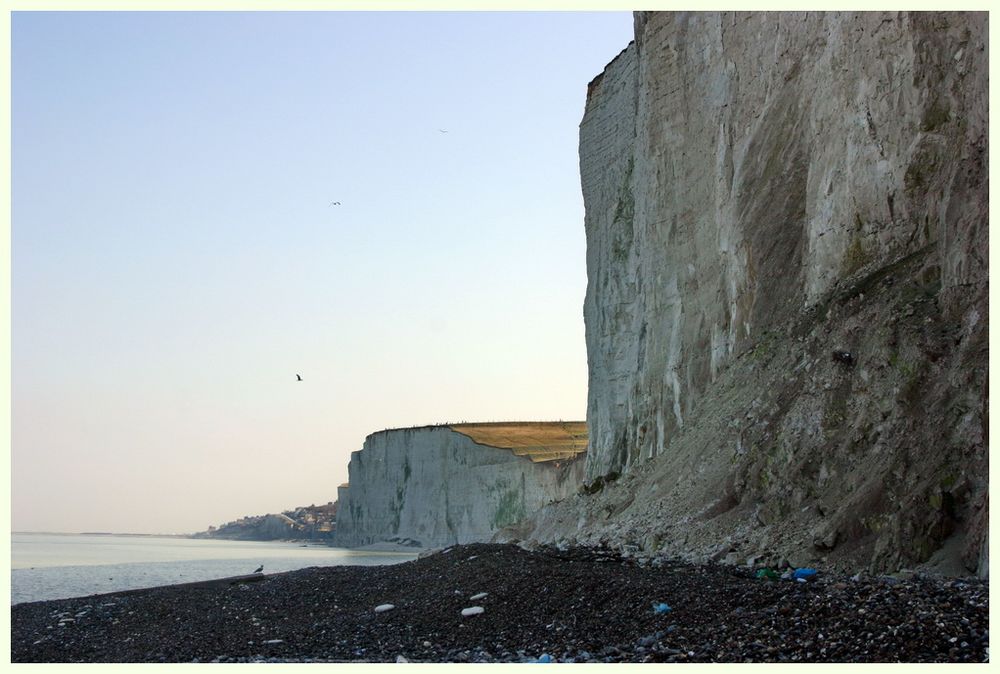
pixel 502 603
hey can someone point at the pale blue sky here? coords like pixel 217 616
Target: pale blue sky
pixel 176 260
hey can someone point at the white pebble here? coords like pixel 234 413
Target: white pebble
pixel 382 608
pixel 400 658
pixel 274 641
pixel 479 596
pixel 472 610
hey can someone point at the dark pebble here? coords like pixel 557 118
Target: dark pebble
pixel 538 602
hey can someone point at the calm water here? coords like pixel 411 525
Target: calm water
pixel 57 566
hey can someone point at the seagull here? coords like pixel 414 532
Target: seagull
pixel 442 131
pixel 334 203
pixel 259 569
pixel 298 377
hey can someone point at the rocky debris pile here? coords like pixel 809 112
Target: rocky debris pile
pixel 546 605
pixel 817 383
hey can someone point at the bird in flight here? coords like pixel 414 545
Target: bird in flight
pixel 334 203
pixel 259 569
pixel 298 377
pixel 442 131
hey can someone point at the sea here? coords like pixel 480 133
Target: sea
pixel 59 566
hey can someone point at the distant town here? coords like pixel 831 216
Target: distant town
pixel 305 523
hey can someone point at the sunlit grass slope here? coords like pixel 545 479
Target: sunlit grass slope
pixel 536 440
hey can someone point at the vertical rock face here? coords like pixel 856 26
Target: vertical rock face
pixel 736 167
pixel 434 486
pixel 761 191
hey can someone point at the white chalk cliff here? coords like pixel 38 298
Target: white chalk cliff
pixel 763 190
pixel 435 486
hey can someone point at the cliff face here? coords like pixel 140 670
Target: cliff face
pixel 437 486
pixel 761 191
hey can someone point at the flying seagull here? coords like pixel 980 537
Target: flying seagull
pixel 334 203
pixel 259 569
pixel 298 377
pixel 442 131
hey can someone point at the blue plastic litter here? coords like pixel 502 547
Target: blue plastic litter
pixel 544 657
pixel 804 573
pixel 661 608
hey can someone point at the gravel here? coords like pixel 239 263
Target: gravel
pixel 575 605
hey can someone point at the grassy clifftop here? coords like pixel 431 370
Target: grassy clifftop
pixel 536 440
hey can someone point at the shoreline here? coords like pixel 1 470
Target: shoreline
pixel 65 567
pixel 572 605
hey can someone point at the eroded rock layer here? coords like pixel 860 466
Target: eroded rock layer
pixel 786 311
